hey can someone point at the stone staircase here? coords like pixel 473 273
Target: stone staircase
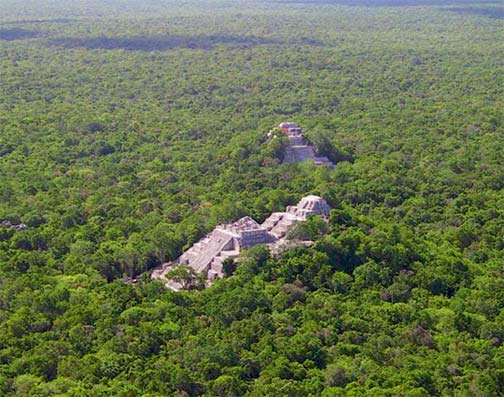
pixel 282 228
pixel 216 266
pixel 201 254
pixel 279 223
pixel 303 153
pixel 323 161
pixel 298 151
pixel 296 140
pixel 272 220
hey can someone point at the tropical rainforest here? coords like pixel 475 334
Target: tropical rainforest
pixel 129 129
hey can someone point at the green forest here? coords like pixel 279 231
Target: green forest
pixel 129 129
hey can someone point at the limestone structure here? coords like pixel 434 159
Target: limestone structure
pixel 288 127
pixel 298 150
pixel 228 240
pixel 279 223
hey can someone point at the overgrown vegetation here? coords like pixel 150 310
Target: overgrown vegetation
pixel 128 130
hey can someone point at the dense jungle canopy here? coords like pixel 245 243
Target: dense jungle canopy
pixel 129 129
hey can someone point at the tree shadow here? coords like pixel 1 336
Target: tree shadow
pixel 162 43
pixel 38 21
pixel 490 12
pixel 17 34
pixel 385 3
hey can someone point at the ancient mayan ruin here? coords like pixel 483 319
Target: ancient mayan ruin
pixel 228 240
pixel 298 150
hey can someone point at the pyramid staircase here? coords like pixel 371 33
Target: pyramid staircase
pixel 201 254
pixel 298 151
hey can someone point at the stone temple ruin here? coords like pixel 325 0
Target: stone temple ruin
pixel 228 240
pixel 298 150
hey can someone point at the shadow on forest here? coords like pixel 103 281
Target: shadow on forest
pixel 493 12
pixel 384 3
pixel 38 21
pixel 17 34
pixel 163 43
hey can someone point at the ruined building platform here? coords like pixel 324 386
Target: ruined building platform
pixel 228 240
pixel 298 150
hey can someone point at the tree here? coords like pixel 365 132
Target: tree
pixel 184 275
pixel 312 229
pixel 228 266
